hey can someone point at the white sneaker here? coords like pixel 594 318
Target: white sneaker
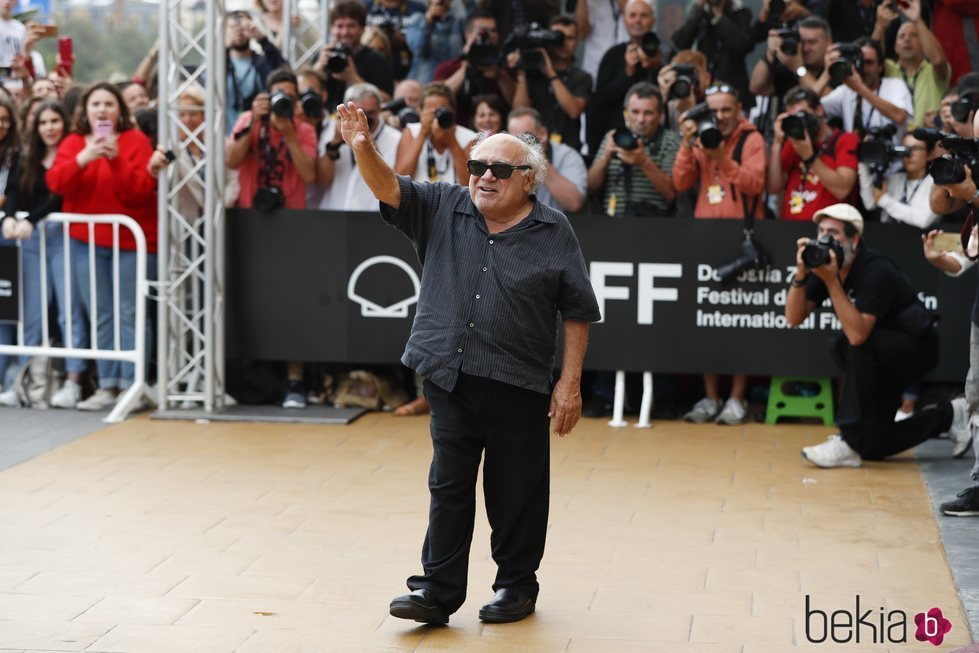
pixel 703 411
pixel 9 398
pixel 835 452
pixel 67 396
pixel 735 411
pixel 102 400
pixel 960 432
pixel 900 415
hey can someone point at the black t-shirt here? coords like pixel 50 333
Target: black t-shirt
pixel 874 285
pixel 372 66
pixel 542 97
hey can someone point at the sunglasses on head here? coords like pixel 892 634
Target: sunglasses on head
pixel 500 170
pixel 722 88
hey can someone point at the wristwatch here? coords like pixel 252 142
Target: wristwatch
pixel 801 71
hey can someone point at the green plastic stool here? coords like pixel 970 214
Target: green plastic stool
pixel 783 404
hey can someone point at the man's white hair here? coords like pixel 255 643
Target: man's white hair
pixel 534 157
pixel 358 92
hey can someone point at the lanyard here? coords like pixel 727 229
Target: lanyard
pixel 805 166
pixel 237 84
pixel 433 172
pixel 616 15
pixel 911 82
pixel 905 198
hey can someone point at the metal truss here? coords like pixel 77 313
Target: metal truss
pixel 190 349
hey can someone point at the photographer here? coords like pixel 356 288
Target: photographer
pixel 921 64
pixel 682 84
pixel 477 71
pixel 566 182
pixel 904 196
pixel 889 341
pixel 246 70
pixel 793 58
pixel 634 164
pixel 444 143
pixel 335 169
pixel 625 64
pixel 273 150
pixel 346 62
pixel 814 165
pixel 721 29
pixel 865 100
pixel 392 16
pixel 557 88
pixel 723 153
pixel 432 36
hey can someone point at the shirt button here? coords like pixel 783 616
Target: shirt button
pixel 491 241
pixel 484 269
pixel 471 324
pixel 460 351
pixel 477 296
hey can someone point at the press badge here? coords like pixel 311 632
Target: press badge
pixel 612 201
pixel 715 194
pixel 796 202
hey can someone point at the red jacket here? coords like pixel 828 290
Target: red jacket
pixel 120 185
pixel 748 179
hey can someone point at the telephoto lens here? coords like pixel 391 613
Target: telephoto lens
pixel 445 117
pixel 282 104
pixel 624 138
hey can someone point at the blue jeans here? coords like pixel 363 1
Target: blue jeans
pixel 33 305
pixel 112 374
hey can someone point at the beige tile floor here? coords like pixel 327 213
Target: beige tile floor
pixel 179 537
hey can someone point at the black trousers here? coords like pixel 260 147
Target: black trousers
pixel 876 373
pixel 510 425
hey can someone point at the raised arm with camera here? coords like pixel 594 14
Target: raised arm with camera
pixel 858 67
pixel 445 144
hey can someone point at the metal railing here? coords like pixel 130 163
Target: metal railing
pixel 132 397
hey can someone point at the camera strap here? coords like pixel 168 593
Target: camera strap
pixel 652 149
pixel 270 172
pixel 238 83
pixel 749 211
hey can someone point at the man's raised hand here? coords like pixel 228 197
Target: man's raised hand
pixel 353 127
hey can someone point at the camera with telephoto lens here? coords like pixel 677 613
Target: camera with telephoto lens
pixel 850 58
pixel 752 257
pixel 965 105
pixel 686 80
pixel 707 131
pixel 879 151
pixel 816 252
pixel 951 169
pixel 312 104
pixel 482 52
pixel 650 44
pixel 535 36
pixel 399 107
pixel 624 138
pixel 339 56
pixel 282 104
pixel 929 135
pixel 790 41
pixel 797 125
pixel 445 117
pixel 268 198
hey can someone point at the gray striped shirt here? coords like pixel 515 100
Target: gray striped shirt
pixel 489 303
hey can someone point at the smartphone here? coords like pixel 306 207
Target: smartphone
pixel 50 31
pixel 66 53
pixel 948 242
pixel 102 128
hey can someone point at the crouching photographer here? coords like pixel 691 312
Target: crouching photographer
pixel 888 341
pixel 904 196
pixel 273 148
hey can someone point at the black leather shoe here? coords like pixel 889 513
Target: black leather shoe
pixel 420 606
pixel 508 605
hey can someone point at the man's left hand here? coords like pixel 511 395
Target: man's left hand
pixel 803 147
pixel 282 124
pixel 565 406
pixel 830 272
pixel 634 157
pixel 879 192
pixel 716 154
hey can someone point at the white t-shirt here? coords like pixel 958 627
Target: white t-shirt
pixel 607 29
pixel 842 103
pixel 349 191
pixel 444 170
pixel 906 200
pixel 12 34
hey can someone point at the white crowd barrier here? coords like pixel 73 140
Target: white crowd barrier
pixel 131 398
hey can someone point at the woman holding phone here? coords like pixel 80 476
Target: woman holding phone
pixel 103 167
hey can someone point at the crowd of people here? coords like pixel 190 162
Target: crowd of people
pixel 848 102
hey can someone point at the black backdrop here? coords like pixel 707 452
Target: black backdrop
pixel 287 294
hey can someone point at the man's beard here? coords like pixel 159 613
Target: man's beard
pixel 240 47
pixel 848 253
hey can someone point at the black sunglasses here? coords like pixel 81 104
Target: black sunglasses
pixel 500 170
